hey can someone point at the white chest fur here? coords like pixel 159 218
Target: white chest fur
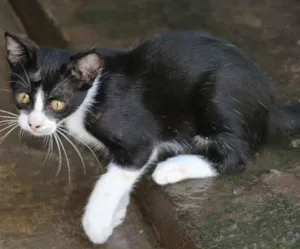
pixel 75 122
pixel 75 125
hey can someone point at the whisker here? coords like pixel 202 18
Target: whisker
pixel 21 78
pixel 4 115
pixel 20 135
pixel 76 149
pixel 10 125
pixel 88 111
pixel 82 142
pixel 23 134
pixel 48 139
pixel 51 145
pixel 27 77
pixel 8 118
pixel 45 141
pixel 10 113
pixel 59 154
pixel 19 82
pixel 66 156
pixel 58 85
pixel 5 90
pixel 7 121
pixel 7 133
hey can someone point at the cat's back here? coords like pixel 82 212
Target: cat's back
pixel 176 66
pixel 187 46
pixel 188 54
pixel 179 41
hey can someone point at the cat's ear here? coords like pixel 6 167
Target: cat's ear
pixel 19 51
pixel 85 66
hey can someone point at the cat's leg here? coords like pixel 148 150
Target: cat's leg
pixel 121 211
pixel 110 190
pixel 182 167
pixel 228 154
pixel 109 200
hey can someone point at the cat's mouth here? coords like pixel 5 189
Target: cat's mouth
pixel 40 133
pixel 37 125
pixel 43 133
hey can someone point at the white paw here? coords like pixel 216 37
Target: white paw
pixel 163 176
pixel 97 228
pixel 121 211
pixel 119 217
pixel 182 167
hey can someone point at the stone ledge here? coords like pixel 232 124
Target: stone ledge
pixel 245 211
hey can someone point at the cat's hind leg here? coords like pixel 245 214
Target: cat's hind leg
pixel 183 167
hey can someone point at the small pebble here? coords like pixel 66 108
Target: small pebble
pixel 295 143
pixel 238 191
pixel 275 172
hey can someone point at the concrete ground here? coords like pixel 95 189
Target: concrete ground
pixel 256 210
pixel 37 209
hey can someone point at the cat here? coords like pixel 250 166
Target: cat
pixel 191 104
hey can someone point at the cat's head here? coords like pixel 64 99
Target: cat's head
pixel 48 85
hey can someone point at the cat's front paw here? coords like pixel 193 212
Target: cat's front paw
pixel 121 211
pixel 98 229
pixel 119 216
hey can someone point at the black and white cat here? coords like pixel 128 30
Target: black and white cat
pixel 190 103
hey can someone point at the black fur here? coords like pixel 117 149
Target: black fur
pixel 173 88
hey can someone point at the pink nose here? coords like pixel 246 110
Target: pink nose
pixel 34 127
pixel 35 120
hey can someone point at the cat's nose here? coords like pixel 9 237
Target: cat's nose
pixel 35 120
pixel 34 126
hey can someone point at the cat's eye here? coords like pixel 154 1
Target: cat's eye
pixel 23 98
pixel 57 105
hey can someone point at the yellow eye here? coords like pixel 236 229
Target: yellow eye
pixel 57 105
pixel 23 98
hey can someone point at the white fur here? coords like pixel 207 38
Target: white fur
pixel 108 202
pixel 121 211
pixel 39 100
pixel 182 167
pixel 75 122
pixel 36 122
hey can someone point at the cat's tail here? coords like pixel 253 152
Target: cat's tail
pixel 285 119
